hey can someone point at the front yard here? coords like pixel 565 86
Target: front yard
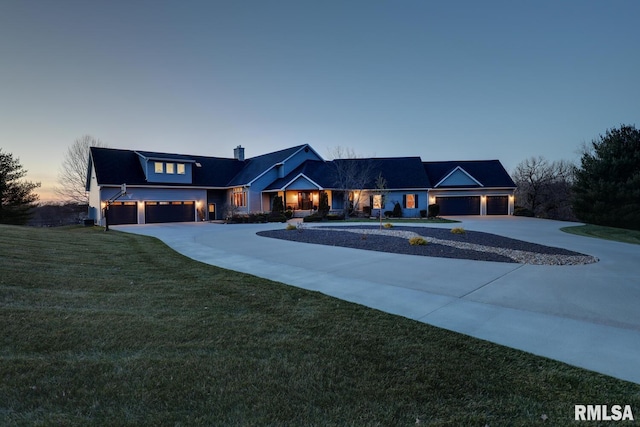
pixel 117 329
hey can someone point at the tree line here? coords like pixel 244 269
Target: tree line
pixel 603 189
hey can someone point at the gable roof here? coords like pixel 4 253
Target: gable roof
pixel 317 171
pixel 116 167
pixel 257 166
pixel 488 173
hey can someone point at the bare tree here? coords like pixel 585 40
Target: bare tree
pixel 545 187
pixel 72 176
pixel 380 191
pixel 352 174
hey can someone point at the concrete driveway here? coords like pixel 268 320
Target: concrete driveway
pixel 585 315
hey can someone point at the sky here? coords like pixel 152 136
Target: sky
pixel 443 80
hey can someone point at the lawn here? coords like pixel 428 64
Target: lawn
pixel 117 329
pixel 608 233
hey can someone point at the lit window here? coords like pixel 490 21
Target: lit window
pixel 377 201
pixel 239 198
pixel 159 167
pixel 181 169
pixel 410 201
pixel 170 168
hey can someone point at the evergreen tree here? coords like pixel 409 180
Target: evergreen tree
pixel 16 196
pixel 323 204
pixel 607 183
pixel 278 206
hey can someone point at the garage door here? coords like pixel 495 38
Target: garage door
pixel 497 205
pixel 464 205
pixel 123 213
pixel 156 212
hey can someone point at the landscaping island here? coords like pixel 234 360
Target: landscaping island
pixel 471 245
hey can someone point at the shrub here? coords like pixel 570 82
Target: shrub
pixel 434 210
pixel 312 218
pixel 417 241
pixel 423 213
pixel 335 217
pixel 397 210
pixel 388 214
pixel 288 214
pixel 387 225
pixel 291 227
pixel 522 211
pixel 458 230
pixel 276 217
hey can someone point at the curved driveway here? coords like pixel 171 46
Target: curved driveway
pixel 585 315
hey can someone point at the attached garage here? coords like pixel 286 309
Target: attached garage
pixel 158 212
pixel 123 213
pixel 459 205
pixel 497 205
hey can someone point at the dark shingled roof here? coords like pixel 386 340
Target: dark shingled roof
pixel 255 166
pixel 399 172
pixel 490 173
pixel 115 167
pixel 316 170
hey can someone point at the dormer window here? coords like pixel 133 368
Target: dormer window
pixel 159 168
pixel 181 169
pixel 170 168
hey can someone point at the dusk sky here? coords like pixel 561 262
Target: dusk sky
pixel 445 80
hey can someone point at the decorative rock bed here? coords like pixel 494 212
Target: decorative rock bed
pixel 442 243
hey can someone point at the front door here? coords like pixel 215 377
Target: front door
pixel 305 200
pixel 212 211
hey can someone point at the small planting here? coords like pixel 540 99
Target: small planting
pixel 458 230
pixel 417 241
pixel 291 227
pixel 388 225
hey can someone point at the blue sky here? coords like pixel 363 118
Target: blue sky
pixel 442 80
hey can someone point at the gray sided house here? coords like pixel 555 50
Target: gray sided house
pixel 162 187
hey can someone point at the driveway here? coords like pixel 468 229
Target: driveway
pixel 584 315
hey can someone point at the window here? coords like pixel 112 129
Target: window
pixel 239 197
pixel 170 168
pixel 377 201
pixel 181 169
pixel 410 201
pixel 159 167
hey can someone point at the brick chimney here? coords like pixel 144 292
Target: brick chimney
pixel 238 153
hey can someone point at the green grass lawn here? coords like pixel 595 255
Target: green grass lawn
pixel 608 233
pixel 117 329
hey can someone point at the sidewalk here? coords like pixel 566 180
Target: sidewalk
pixel 583 315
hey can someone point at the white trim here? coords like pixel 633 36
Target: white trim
pixel 164 159
pixel 284 188
pixel 283 162
pixel 455 170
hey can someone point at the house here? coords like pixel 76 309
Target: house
pixel 148 187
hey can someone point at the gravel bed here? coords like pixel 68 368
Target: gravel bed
pixel 442 243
